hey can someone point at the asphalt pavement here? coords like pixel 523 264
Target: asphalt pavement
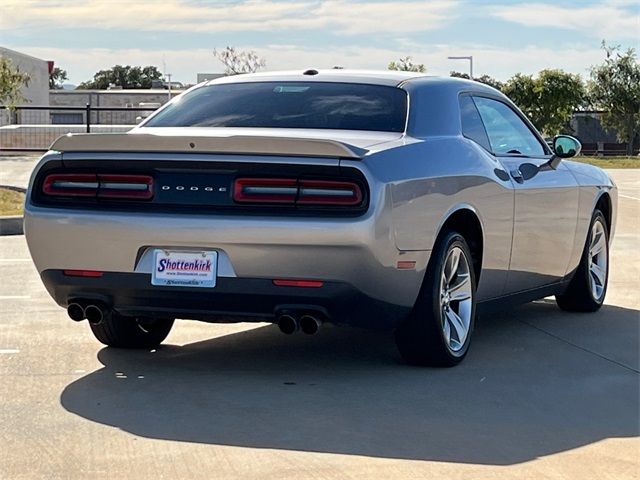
pixel 542 393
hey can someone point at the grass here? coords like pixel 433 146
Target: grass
pixel 11 202
pixel 610 162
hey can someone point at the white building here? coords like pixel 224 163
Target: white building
pixel 36 92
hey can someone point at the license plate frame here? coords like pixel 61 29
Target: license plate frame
pixel 180 268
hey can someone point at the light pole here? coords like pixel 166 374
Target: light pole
pixel 169 84
pixel 470 58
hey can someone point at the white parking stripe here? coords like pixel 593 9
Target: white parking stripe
pixel 9 350
pixel 14 297
pixel 15 259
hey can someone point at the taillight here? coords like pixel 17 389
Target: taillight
pixel 80 185
pixel 126 186
pixel 294 191
pixel 137 187
pixel 320 192
pixel 265 190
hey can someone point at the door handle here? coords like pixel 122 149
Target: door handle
pixel 516 174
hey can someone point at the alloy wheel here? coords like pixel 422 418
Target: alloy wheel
pixel 598 258
pixel 456 299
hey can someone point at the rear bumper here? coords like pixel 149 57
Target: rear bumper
pixel 232 299
pixel 360 252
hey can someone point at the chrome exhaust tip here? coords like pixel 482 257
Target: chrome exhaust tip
pixel 287 324
pixel 94 314
pixel 310 324
pixel 75 312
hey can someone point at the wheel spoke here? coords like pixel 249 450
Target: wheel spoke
pixel 461 290
pixel 458 326
pixel 598 246
pixel 446 327
pixel 598 274
pixel 453 262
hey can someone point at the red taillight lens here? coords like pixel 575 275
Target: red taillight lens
pixel 319 192
pixel 126 186
pixel 293 191
pixel 265 190
pixel 137 187
pixel 71 185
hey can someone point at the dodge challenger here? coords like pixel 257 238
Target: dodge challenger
pixel 387 200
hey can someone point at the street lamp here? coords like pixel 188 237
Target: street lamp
pixel 470 58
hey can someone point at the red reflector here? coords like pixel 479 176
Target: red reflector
pixel 83 273
pixel 406 265
pixel 298 283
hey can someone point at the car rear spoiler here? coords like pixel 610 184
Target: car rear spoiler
pixel 235 144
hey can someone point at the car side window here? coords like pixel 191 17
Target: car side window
pixel 508 134
pixel 472 126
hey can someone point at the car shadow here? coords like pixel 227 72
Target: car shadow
pixel 522 392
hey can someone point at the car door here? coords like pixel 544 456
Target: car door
pixel 545 201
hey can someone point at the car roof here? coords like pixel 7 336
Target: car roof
pixel 392 78
pixel 374 77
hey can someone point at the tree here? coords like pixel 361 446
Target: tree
pixel 406 65
pixel 56 77
pixel 615 88
pixel 239 61
pixel 548 100
pixel 125 77
pixel 486 79
pixel 11 82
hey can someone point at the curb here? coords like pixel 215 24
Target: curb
pixel 11 225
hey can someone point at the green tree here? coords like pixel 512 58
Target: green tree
pixel 123 76
pixel 549 99
pixel 406 65
pixel 11 82
pixel 615 88
pixel 56 77
pixel 239 61
pixel 486 79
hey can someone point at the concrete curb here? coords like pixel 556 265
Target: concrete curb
pixel 11 225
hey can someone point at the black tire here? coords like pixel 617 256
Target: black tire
pixel 132 332
pixel 579 295
pixel 421 338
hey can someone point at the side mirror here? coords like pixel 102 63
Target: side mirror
pixel 564 146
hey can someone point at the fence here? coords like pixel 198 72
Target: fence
pixel 34 128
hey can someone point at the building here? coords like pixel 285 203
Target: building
pixel 36 91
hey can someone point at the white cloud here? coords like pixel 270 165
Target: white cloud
pixel 606 20
pixel 336 16
pixel 499 62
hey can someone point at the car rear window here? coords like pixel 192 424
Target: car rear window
pixel 322 105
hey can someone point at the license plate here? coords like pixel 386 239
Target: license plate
pixel 184 269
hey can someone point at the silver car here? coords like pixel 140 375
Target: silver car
pixel 374 199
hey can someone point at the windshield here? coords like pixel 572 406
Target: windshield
pixel 342 106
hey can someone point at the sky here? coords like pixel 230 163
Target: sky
pixel 178 36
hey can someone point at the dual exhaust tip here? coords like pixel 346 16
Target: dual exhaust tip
pixel 92 312
pixel 308 323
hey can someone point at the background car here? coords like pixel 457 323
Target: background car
pixel 374 199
